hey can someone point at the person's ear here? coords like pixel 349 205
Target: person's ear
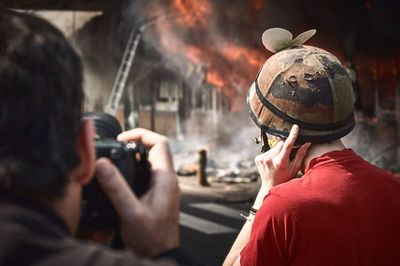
pixel 83 173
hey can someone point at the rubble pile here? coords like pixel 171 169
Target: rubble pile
pixel 239 171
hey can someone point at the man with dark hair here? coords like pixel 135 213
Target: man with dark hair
pixel 47 155
pixel 342 210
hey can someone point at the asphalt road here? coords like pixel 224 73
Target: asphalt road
pixel 209 227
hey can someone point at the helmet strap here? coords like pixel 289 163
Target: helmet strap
pixel 264 138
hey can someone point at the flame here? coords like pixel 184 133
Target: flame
pixel 214 78
pixel 234 52
pixel 192 13
pixel 230 64
pixel 196 32
pixel 194 54
pixel 204 33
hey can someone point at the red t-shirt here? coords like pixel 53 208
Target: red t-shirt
pixel 342 211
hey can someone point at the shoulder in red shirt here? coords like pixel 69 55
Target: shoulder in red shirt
pixel 342 211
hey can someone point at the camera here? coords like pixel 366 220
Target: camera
pixel 97 212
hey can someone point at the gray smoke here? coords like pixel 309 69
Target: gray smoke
pixel 350 28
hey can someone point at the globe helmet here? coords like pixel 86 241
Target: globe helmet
pixel 301 85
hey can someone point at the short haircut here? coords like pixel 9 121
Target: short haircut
pixel 41 101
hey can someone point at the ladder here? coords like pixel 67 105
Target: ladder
pixel 123 71
pixel 126 65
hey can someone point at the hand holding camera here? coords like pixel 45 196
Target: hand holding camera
pixel 131 160
pixel 150 224
pixel 157 211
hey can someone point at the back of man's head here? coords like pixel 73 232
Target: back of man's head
pixel 302 85
pixel 40 107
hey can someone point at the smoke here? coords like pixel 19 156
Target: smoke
pixel 227 140
pixel 101 43
pixel 218 43
pixel 231 141
pixel 374 141
pixel 224 36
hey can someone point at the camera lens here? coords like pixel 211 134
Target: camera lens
pixel 107 126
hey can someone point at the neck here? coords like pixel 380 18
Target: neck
pixel 317 150
pixel 68 208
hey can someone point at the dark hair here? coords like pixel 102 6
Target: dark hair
pixel 40 107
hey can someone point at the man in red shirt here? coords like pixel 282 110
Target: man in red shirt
pixel 342 210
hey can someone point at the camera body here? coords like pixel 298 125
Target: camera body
pixel 97 212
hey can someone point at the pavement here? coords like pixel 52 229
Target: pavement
pixel 210 217
pixel 220 191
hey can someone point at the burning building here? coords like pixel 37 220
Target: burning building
pixel 194 64
pixel 215 46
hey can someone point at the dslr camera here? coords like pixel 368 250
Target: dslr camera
pixel 97 212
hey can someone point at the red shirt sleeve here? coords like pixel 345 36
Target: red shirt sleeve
pixel 273 235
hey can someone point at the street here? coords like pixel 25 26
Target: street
pixel 208 227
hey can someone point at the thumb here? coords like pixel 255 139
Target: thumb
pixel 116 188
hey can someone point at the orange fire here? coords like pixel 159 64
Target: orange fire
pixel 203 33
pixel 214 78
pixel 230 65
pixel 194 54
pixel 234 53
pixel 192 13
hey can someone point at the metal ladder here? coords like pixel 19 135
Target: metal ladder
pixel 126 65
pixel 123 71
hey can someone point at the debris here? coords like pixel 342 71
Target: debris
pixel 188 169
pixel 201 175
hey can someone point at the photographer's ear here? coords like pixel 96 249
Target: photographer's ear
pixel 83 173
